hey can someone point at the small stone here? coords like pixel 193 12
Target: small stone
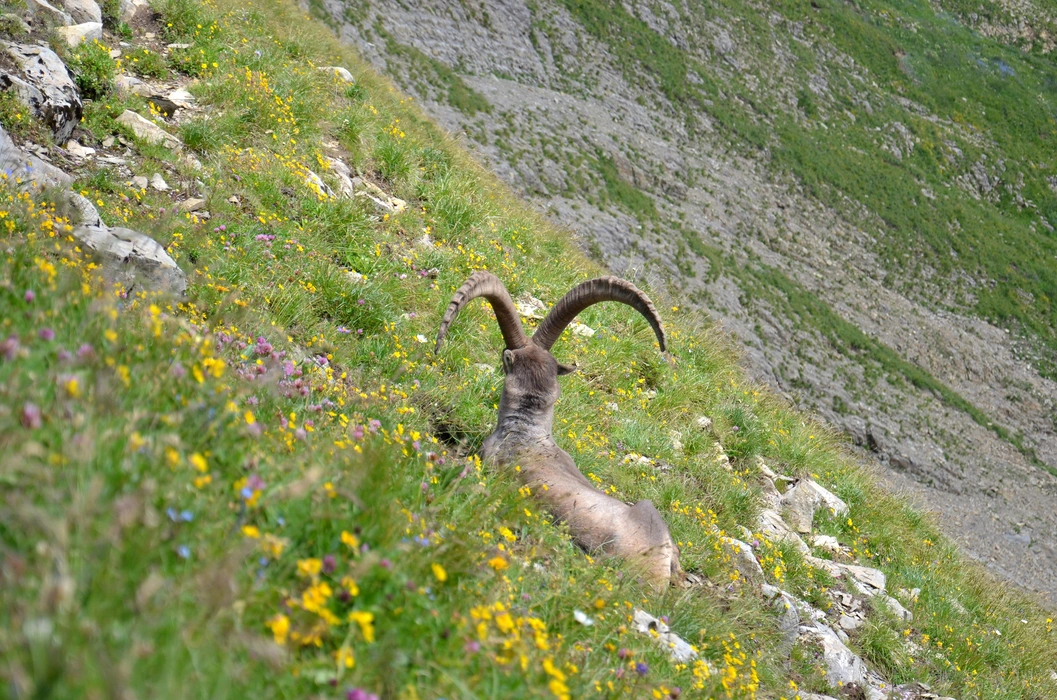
pixel 870 577
pixel 804 499
pixel 744 560
pixel 581 330
pixel 192 204
pixel 678 648
pixel 147 130
pixel 181 98
pixel 115 53
pixel 849 623
pixel 159 183
pixel 124 83
pixel 178 47
pixel 108 142
pixel 826 542
pixel 704 422
pixel 75 149
pixel 894 607
pixel 140 182
pixel 233 199
pixel 77 33
pixel 339 72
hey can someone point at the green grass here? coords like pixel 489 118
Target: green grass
pixel 268 488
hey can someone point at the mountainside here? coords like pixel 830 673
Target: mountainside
pixel 864 194
pixel 236 461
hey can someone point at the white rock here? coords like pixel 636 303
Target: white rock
pixel 159 183
pixel 127 9
pixel 744 560
pixel 125 84
pixel 677 440
pixel 181 98
pixel 764 469
pixel 647 624
pixel 529 306
pixel 771 525
pixel 147 130
pixel 339 72
pixel 894 607
pixel 115 53
pixel 581 617
pixel 788 617
pixel 84 11
pixel 177 47
pixel 74 34
pixel 841 663
pixel 871 578
pixel 355 277
pixel 315 183
pixel 826 542
pixel 192 204
pixel 581 330
pixel 140 182
pixel 804 499
pixel 77 150
pixel 704 422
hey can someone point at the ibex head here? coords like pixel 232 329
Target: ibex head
pixel 531 385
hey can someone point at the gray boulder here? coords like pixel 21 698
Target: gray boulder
pixel 16 163
pixel 82 11
pixel 45 85
pixel 75 34
pixel 42 9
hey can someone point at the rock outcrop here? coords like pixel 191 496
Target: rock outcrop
pixel 44 84
pixel 128 258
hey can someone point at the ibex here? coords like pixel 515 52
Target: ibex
pixel 522 436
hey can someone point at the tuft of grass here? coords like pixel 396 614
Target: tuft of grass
pixel 93 69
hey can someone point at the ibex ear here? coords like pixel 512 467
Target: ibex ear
pixel 508 361
pixel 566 369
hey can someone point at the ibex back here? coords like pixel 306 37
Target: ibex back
pixel 522 438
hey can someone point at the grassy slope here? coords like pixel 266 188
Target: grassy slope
pixel 182 521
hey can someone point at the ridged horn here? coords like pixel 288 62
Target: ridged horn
pixel 485 284
pixel 592 292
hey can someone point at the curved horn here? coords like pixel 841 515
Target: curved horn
pixel 592 292
pixel 485 284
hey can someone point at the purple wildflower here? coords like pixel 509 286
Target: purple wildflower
pixel 85 352
pixel 329 564
pixel 373 425
pixel 9 348
pixel 30 296
pixel 641 668
pixel 263 347
pixel 360 694
pixel 46 334
pixel 31 418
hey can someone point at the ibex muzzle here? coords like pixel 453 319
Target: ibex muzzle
pixel 522 437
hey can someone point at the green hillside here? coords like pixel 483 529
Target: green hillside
pixel 268 488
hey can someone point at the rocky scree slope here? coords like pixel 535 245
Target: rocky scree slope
pixel 862 194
